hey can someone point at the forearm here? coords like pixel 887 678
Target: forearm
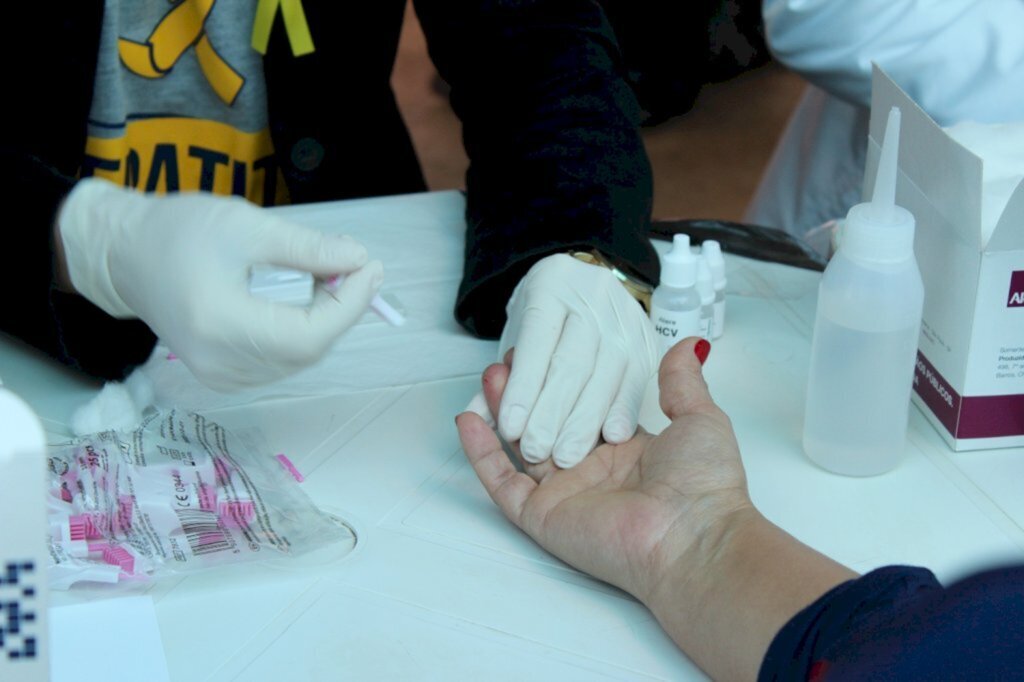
pixel 550 127
pixel 726 597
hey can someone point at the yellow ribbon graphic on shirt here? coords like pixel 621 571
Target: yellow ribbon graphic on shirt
pixel 182 28
pixel 294 24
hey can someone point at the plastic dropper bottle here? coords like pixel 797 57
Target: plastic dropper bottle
pixel 675 304
pixel 711 251
pixel 866 333
pixel 706 291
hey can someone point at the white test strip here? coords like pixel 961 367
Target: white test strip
pixel 386 311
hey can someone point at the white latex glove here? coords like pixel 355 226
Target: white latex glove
pixel 181 264
pixel 584 352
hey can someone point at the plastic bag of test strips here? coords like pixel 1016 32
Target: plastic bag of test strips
pixel 176 495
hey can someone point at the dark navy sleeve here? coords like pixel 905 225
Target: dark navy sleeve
pixel 550 128
pixel 899 623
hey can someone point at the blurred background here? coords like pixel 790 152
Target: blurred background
pixel 715 104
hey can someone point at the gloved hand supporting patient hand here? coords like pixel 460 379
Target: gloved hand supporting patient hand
pixel 181 263
pixel 584 353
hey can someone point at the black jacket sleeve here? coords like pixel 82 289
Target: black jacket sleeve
pixel 51 59
pixel 899 623
pixel 550 128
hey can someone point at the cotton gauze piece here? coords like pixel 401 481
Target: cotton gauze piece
pixel 141 389
pixel 1000 146
pixel 112 409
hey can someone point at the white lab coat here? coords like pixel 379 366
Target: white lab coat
pixel 959 59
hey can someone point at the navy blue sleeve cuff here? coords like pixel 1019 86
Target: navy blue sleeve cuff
pixel 898 622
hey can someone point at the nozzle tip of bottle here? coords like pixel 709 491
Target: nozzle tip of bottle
pixel 883 198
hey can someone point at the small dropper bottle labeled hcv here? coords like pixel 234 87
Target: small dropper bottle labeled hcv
pixel 675 303
pixel 866 333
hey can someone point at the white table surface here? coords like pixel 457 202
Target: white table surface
pixel 441 587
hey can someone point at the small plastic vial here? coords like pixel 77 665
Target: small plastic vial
pixel 706 291
pixel 675 304
pixel 711 251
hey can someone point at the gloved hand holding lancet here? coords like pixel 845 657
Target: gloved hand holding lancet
pixel 181 263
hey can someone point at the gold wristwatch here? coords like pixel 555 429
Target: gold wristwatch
pixel 636 287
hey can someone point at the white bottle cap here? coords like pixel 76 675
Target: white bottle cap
pixel 679 266
pixel 879 231
pixel 705 284
pixel 712 252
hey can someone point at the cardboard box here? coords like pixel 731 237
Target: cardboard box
pixel 969 380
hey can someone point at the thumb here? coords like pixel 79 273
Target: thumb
pixel 302 335
pixel 681 385
pixel 304 248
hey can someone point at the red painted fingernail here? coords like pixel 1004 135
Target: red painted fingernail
pixel 702 349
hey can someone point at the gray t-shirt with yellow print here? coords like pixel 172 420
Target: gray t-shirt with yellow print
pixel 180 102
